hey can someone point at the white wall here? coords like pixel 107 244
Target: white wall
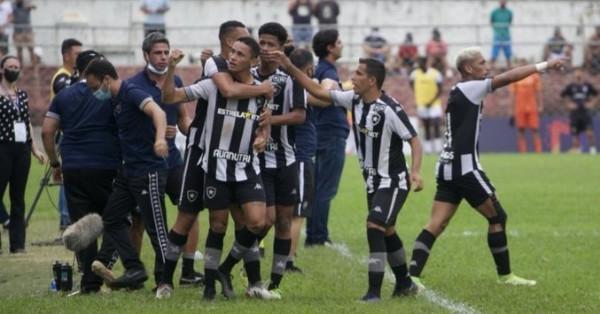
pixel 193 24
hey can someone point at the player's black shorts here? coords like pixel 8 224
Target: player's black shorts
pixel 220 195
pixel 385 204
pixel 474 186
pixel 173 187
pixel 192 182
pixel 306 188
pixel 281 185
pixel 581 120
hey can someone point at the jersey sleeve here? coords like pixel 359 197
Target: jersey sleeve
pixel 342 98
pixel 60 82
pixel 400 123
pixel 138 98
pixel 199 90
pixel 215 65
pixel 298 99
pixel 476 90
pixel 54 110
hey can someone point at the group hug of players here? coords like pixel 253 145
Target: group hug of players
pixel 240 161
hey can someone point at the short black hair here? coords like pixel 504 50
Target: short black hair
pixel 322 40
pixel 375 68
pixel 274 29
pixel 251 42
pixel 67 44
pixel 301 57
pixel 5 58
pixel 227 27
pixel 154 38
pixel 84 58
pixel 100 68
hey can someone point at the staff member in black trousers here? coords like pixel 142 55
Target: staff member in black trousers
pixel 16 145
pixel 90 156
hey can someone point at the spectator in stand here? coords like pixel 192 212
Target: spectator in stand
pixel 301 13
pixel 23 33
pixel 558 47
pixel 436 51
pixel 408 53
pixel 527 98
pixel 326 12
pixel 376 46
pixel 592 53
pixel 501 18
pixel 155 11
pixel 5 21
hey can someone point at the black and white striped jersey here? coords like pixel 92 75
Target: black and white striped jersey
pixel 229 133
pixel 463 121
pixel 379 131
pixel 288 95
pixel 212 66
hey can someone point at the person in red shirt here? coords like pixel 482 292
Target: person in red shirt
pixel 436 50
pixel 407 55
pixel 527 100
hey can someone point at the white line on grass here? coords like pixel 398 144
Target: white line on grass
pixel 430 295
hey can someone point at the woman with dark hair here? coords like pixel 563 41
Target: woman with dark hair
pixel 16 145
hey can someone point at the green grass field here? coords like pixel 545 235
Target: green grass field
pixel 553 228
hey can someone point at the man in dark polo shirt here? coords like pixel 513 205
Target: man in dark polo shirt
pixel 142 179
pixel 90 156
pixel 332 131
pixel 156 49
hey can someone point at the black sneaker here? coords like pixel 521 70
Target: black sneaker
pixel 226 285
pixel 193 279
pixel 291 268
pixel 209 293
pixel 370 298
pixel 131 279
pixel 405 291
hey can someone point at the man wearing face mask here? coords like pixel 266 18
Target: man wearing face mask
pixel 156 54
pixel 90 156
pixel 142 179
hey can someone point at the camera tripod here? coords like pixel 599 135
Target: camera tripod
pixel 44 182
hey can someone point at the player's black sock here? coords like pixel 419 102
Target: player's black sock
pixel 212 256
pixel 187 267
pixel 240 247
pixel 281 251
pixel 499 247
pixel 252 264
pixel 377 257
pixel 175 242
pixel 420 254
pixel 397 260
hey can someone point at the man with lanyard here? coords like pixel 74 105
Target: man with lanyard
pixel 142 179
pixel 156 54
pixel 69 49
pixel 90 156
pixel 381 126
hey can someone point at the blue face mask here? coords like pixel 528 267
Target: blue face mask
pixel 102 95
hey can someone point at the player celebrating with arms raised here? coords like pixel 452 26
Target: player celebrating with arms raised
pixel 459 173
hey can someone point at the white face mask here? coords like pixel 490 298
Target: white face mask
pixel 156 71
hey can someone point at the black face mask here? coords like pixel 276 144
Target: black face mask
pixel 11 75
